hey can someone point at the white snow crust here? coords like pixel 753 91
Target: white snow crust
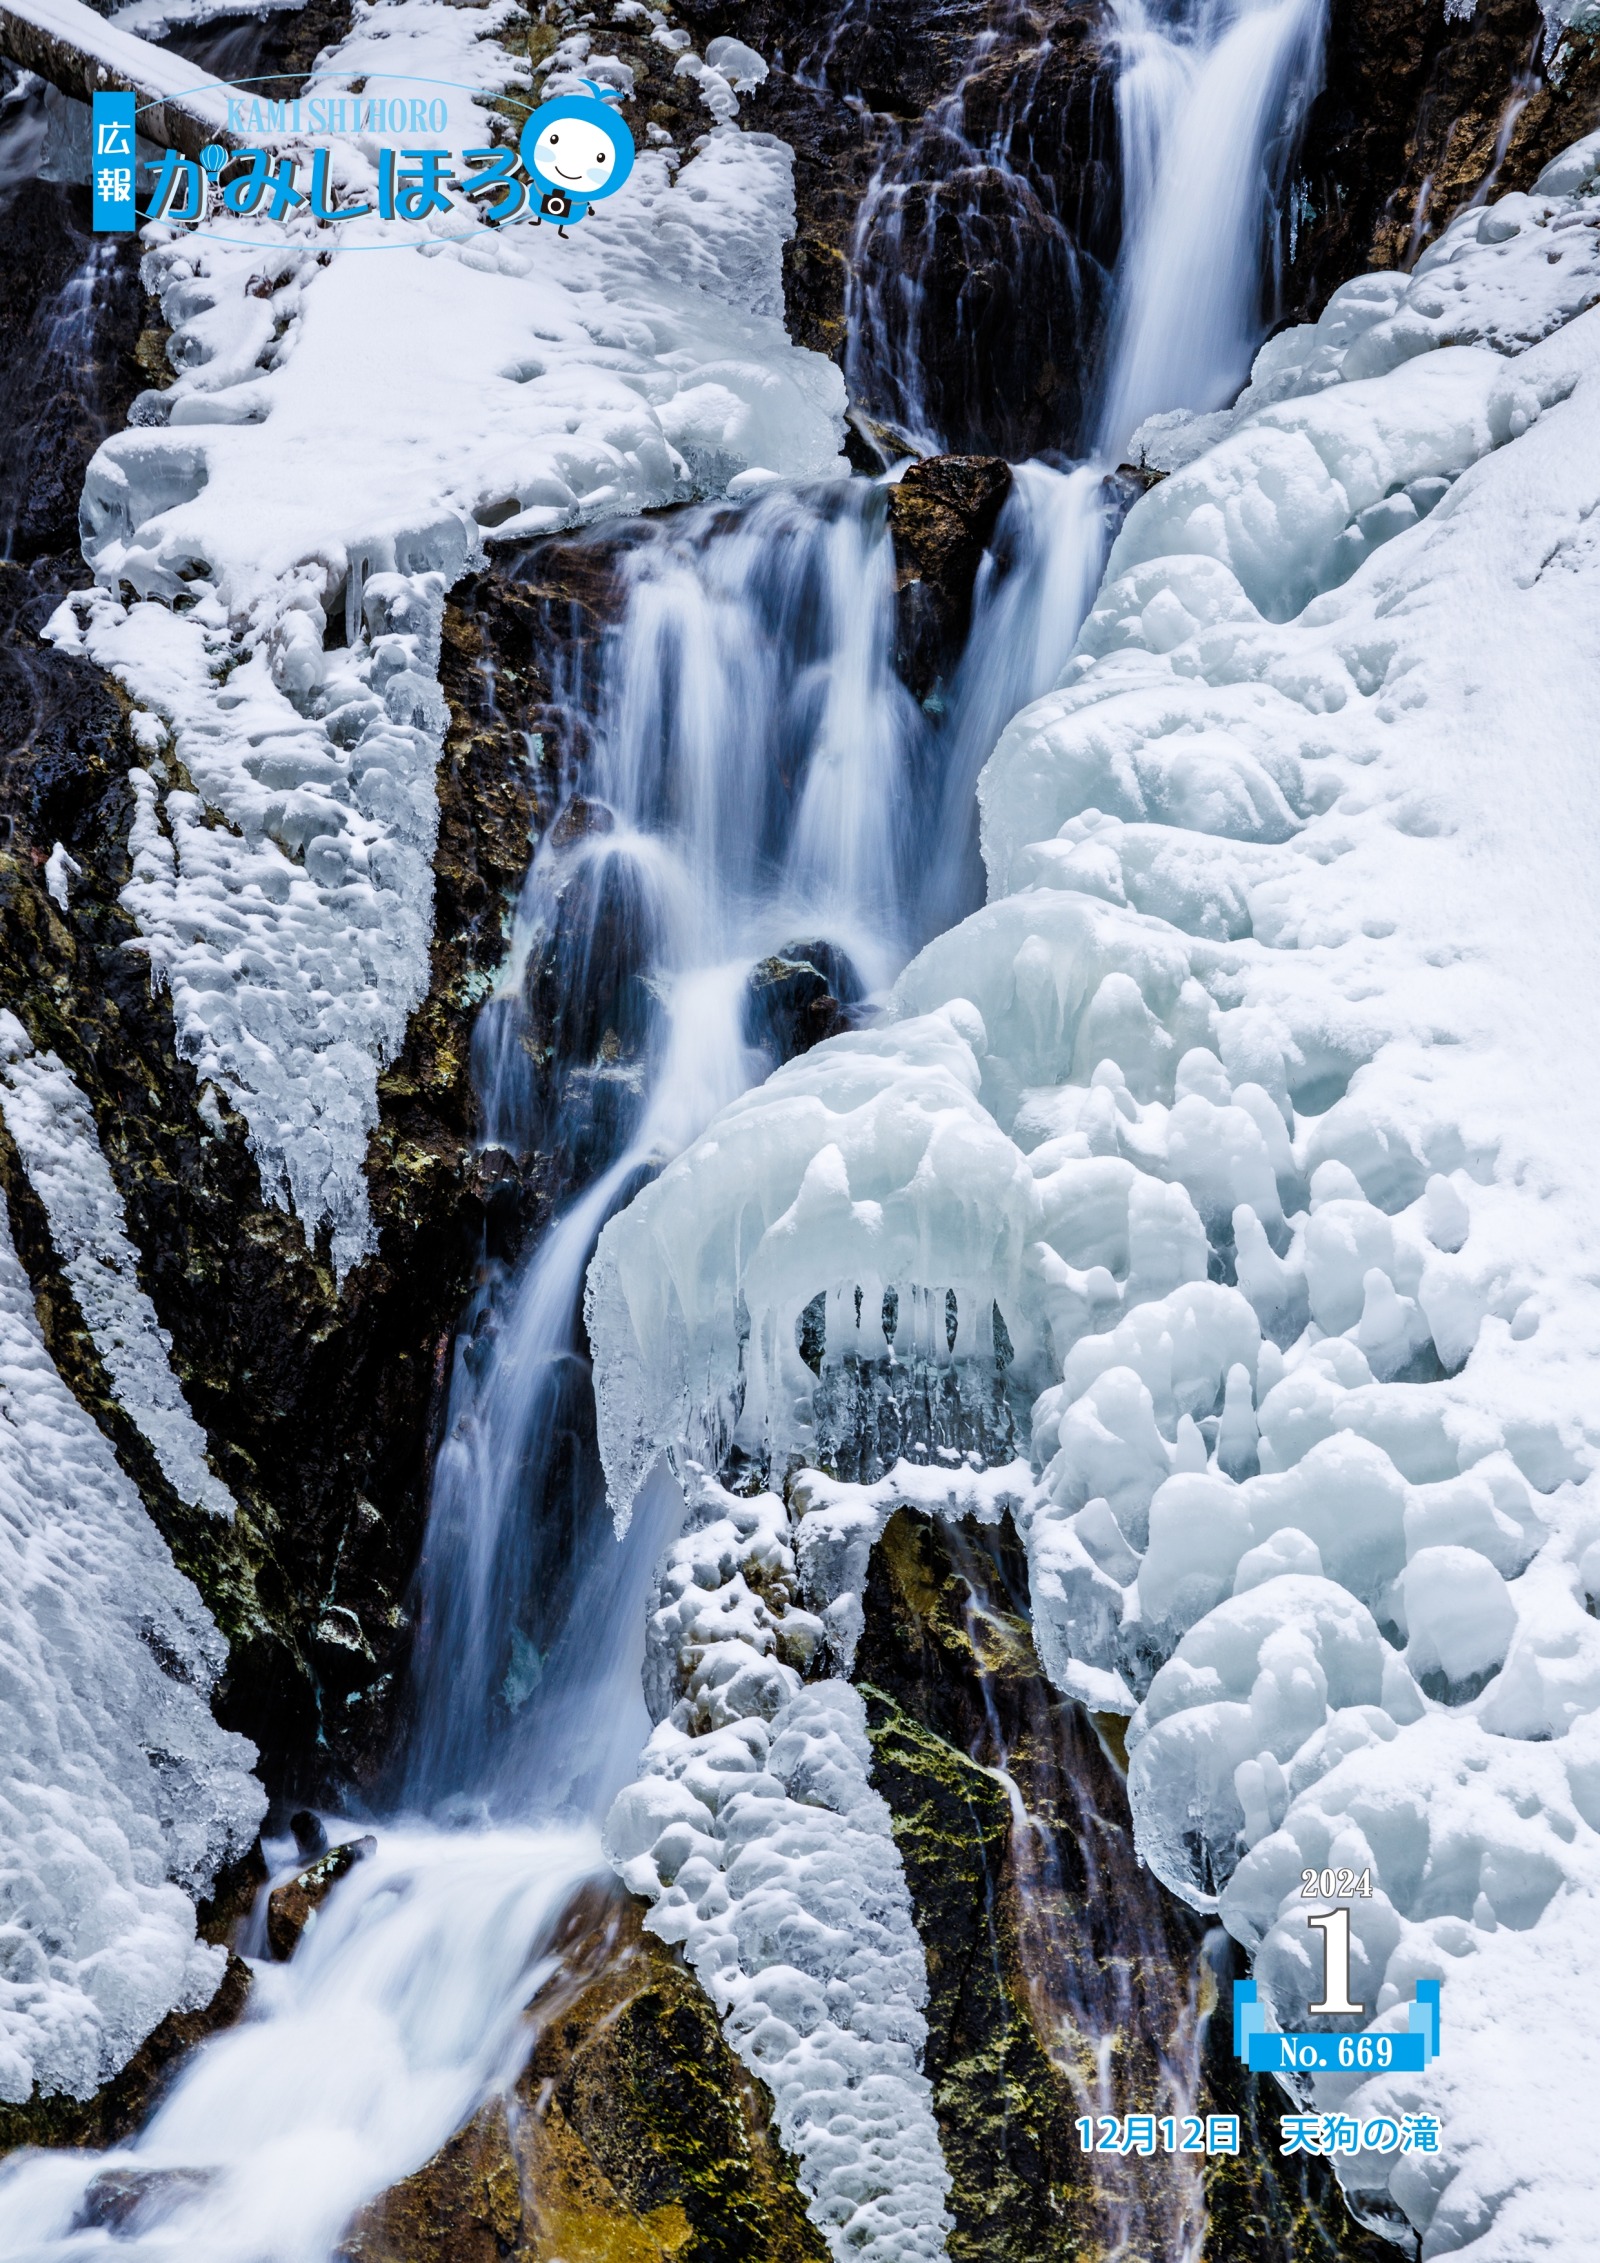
pixel 129 59
pixel 54 1129
pixel 1260 1098
pixel 120 1798
pixel 756 1834
pixel 345 424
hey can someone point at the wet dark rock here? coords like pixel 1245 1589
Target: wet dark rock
pixel 840 82
pixel 290 41
pixel 1016 1923
pixel 316 1406
pixel 291 1906
pixel 798 997
pixel 1043 1934
pixel 465 2206
pixel 633 2135
pixel 659 98
pixel 1013 295
pixel 1406 130
pixel 221 1918
pixel 310 1838
pixel 126 2202
pixel 319 1407
pixel 941 517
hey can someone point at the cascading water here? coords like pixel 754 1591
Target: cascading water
pixel 1209 107
pixel 744 809
pixel 752 759
pixel 1034 588
pixel 762 795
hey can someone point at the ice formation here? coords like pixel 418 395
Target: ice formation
pixel 54 1130
pixel 119 1795
pixel 756 1834
pixel 269 581
pixel 1257 1102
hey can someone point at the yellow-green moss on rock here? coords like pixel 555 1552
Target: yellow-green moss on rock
pixel 633 2135
pixel 1063 1981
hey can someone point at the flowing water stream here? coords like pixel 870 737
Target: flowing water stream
pixel 761 793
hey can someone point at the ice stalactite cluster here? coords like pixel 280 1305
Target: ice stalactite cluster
pixel 273 537
pixel 120 1798
pixel 1259 1102
pixel 755 1832
pixel 830 1179
pixel 54 1130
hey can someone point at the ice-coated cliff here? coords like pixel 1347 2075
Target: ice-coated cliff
pixel 269 590
pixel 1257 1100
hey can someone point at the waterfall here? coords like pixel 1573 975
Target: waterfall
pixel 1209 109
pixel 761 792
pixel 751 765
pixel 753 759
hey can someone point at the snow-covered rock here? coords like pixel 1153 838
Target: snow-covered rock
pixel 54 1130
pixel 120 1798
pixel 756 1834
pixel 273 536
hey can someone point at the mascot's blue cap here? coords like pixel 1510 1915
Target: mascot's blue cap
pixel 583 108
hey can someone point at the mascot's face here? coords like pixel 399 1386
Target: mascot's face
pixel 579 146
pixel 579 157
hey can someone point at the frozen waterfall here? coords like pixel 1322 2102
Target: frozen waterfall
pixel 765 813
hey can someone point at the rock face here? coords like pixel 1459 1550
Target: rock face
pixel 317 1407
pixel 798 997
pixel 973 316
pixel 1063 1980
pixel 1420 114
pixel 633 2136
pixel 291 1906
pixel 941 517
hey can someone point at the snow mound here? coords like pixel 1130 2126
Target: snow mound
pixel 120 1798
pixel 273 536
pixel 756 1834
pixel 1259 1100
pixel 54 1129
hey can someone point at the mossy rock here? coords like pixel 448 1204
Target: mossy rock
pixel 1063 1979
pixel 632 2136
